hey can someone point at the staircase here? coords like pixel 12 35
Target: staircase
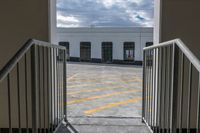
pixel 33 90
pixel 171 88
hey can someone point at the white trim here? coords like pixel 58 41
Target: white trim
pixel 52 21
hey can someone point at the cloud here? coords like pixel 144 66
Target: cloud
pixel 67 21
pixel 83 13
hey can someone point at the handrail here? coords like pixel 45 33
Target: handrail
pixel 14 60
pixel 194 60
pixel 170 70
pixel 40 67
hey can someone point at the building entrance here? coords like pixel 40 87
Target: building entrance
pixel 129 51
pixel 107 49
pixel 85 51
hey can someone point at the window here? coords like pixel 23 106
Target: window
pixel 129 51
pixel 107 51
pixel 149 54
pixel 85 51
pixel 65 44
pixel 149 44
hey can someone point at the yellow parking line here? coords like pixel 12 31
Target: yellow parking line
pixel 73 86
pixel 94 90
pixel 73 76
pixel 85 80
pixel 101 96
pixel 129 80
pixel 112 105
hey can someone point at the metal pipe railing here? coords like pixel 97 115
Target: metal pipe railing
pixel 34 82
pixel 171 88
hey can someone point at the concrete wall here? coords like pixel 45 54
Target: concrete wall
pixel 179 19
pixel 98 35
pixel 21 20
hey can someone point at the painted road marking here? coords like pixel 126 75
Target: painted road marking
pixel 112 105
pixel 81 85
pixel 73 76
pixel 101 96
pixel 103 79
pixel 96 89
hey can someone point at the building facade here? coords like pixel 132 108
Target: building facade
pixel 107 45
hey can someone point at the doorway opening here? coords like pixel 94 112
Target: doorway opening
pixel 129 51
pixel 85 51
pixel 107 52
pixel 66 45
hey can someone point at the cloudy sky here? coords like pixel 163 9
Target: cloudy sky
pixel 106 13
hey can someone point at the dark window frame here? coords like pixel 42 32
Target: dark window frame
pixel 107 51
pixel 84 48
pixel 66 44
pixel 129 46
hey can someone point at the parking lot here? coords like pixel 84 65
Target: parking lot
pixel 104 94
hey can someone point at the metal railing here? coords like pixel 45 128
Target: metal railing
pixel 33 89
pixel 171 88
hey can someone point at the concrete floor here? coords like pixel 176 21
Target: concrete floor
pixel 105 98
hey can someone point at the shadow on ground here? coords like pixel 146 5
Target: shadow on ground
pixel 104 125
pixel 68 128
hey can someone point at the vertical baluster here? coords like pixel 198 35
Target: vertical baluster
pixel 168 88
pixel 19 106
pixel 181 92
pixel 58 82
pixel 51 89
pixel 9 104
pixel 144 87
pixel 146 83
pixel 65 86
pixel 161 90
pixel 152 88
pixel 198 107
pixel 34 88
pixel 172 90
pixel 57 86
pixel 48 92
pixel 154 82
pixel 189 97
pixel 43 88
pixel 147 87
pixel 39 91
pixel 62 83
pixel 158 89
pixel 60 60
pixel 174 72
pixel 54 90
pixel 60 94
pixel 26 92
pixel 165 88
pixel 62 57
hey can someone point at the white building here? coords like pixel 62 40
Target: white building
pixel 109 45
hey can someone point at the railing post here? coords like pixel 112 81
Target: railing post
pixel 143 90
pixel 65 86
pixel 174 89
pixel 34 88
